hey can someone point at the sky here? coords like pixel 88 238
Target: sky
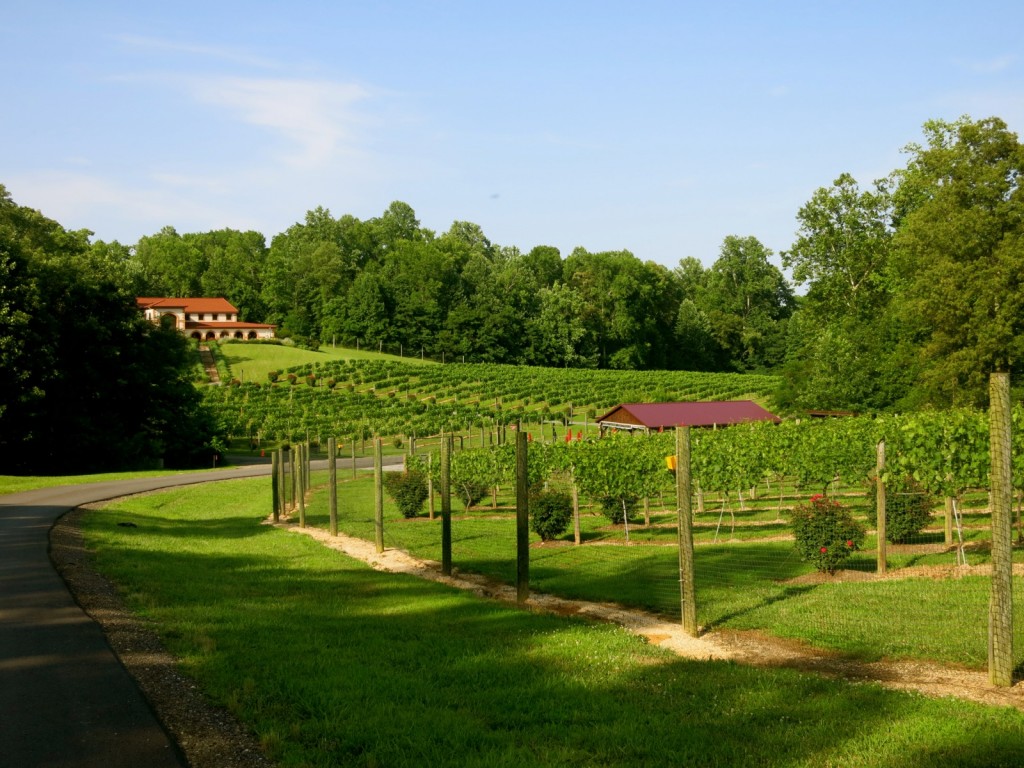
pixel 656 127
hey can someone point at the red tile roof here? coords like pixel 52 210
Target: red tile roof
pixel 658 415
pixel 188 305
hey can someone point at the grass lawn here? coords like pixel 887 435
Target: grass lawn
pixel 252 362
pixel 331 663
pixel 19 483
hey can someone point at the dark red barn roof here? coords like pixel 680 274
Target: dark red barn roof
pixel 668 415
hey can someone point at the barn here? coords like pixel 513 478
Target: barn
pixel 660 416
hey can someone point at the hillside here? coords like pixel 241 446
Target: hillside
pixel 328 396
pixel 252 362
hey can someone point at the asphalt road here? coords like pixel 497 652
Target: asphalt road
pixel 65 699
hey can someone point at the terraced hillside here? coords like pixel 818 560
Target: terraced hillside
pixel 361 398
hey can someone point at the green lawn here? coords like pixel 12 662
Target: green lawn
pixel 19 483
pixel 331 663
pixel 252 362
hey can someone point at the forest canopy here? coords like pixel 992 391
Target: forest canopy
pixel 904 292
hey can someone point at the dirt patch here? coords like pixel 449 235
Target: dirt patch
pixel 752 648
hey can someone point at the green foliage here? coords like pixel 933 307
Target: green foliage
pixel 408 490
pixel 826 533
pixel 550 514
pixel 618 508
pixel 88 384
pixel 908 508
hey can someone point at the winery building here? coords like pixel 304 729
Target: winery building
pixel 204 319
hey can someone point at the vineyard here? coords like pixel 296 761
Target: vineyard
pixel 361 398
pixel 750 484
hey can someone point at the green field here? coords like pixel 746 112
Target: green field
pixel 252 362
pixel 331 663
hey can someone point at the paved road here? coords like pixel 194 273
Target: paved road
pixel 65 699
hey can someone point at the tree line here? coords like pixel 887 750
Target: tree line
pixel 910 286
pixel 905 292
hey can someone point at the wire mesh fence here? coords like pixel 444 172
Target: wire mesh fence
pixel 926 597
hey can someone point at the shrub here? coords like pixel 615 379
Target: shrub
pixel 613 507
pixel 826 533
pixel 908 509
pixel 292 378
pixel 311 380
pixel 470 492
pixel 550 513
pixel 332 383
pixel 408 490
pixel 273 375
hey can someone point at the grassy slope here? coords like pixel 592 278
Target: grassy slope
pixel 252 362
pixel 331 663
pixel 17 483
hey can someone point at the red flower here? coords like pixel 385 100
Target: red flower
pixel 816 497
pixel 849 543
pixel 824 550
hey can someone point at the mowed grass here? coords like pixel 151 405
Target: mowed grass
pixel 741 584
pixel 19 483
pixel 331 663
pixel 252 362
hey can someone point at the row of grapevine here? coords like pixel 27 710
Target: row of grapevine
pixel 389 398
pixel 945 452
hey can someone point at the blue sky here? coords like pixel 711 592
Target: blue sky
pixel 656 127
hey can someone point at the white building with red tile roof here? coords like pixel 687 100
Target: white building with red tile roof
pixel 203 319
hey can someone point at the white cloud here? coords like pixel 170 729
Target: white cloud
pixel 316 115
pixel 988 66
pixel 151 44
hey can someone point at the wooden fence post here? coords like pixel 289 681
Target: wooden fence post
pixel 447 444
pixel 880 506
pixel 576 534
pixel 1000 612
pixel 378 494
pixel 274 489
pixel 522 519
pixel 294 472
pixel 332 483
pixel 302 447
pixel 949 521
pixel 684 514
pixel 282 477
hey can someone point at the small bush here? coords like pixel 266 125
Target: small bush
pixel 408 490
pixel 311 380
pixel 550 514
pixel 908 509
pixel 826 533
pixel 471 492
pixel 612 506
pixel 273 375
pixel 292 378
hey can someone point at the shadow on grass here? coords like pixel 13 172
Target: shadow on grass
pixel 330 662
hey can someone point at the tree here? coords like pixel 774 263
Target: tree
pixel 843 247
pixel 747 299
pixel 88 383
pixel 960 251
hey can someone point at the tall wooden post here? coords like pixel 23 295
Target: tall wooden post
pixel 293 470
pixel 332 483
pixel 577 536
pixel 684 514
pixel 447 443
pixel 949 521
pixel 274 489
pixel 1000 612
pixel 378 494
pixel 302 447
pixel 880 506
pixel 522 519
pixel 353 458
pixel 430 485
pixel 281 480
